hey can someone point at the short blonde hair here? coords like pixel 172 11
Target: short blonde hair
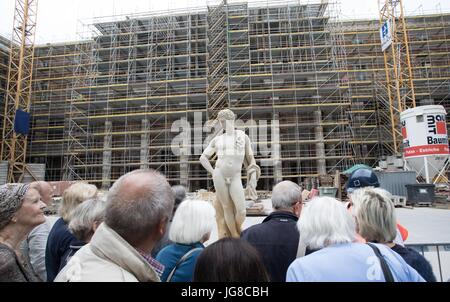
pixel 73 196
pixel 375 215
pixel 193 220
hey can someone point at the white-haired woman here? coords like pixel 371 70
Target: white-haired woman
pixel 376 222
pixel 325 224
pixel 191 227
pixel 60 238
pixel 86 218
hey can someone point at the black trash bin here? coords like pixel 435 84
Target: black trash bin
pixel 420 194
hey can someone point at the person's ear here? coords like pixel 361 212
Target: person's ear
pixel 356 225
pixel 95 226
pixel 298 208
pixel 162 226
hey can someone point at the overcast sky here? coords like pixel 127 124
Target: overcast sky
pixel 57 19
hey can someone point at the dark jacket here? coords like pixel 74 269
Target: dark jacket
pixel 416 261
pixel 12 269
pixel 276 239
pixel 74 247
pixel 58 248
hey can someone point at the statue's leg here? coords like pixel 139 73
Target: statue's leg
pixel 222 229
pixel 238 198
pixel 223 196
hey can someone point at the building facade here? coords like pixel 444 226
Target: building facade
pixel 305 87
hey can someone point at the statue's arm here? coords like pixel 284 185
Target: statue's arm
pixel 252 168
pixel 206 155
pixel 249 152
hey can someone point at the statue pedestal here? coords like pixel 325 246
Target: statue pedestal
pixel 255 208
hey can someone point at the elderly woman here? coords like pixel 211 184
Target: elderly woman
pixel 60 238
pixel 376 222
pixel 86 218
pixel 325 224
pixel 191 227
pixel 21 209
pixel 33 248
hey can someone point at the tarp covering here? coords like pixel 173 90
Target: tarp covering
pixel 22 122
pixel 356 167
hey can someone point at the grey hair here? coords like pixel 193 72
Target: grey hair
pixel 192 221
pixel 375 215
pixel 325 221
pixel 134 211
pixel 285 194
pixel 180 193
pixel 85 215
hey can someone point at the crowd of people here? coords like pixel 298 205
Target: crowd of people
pixel 143 229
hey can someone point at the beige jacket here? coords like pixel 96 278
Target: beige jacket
pixel 107 258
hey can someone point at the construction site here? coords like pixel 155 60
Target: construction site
pixel 107 104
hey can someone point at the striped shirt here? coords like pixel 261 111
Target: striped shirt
pixel 156 266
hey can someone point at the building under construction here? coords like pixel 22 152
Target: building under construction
pixel 4 59
pixel 123 96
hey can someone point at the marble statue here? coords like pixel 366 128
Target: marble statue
pixel 233 149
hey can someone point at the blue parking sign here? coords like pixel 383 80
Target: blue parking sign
pixel 385 35
pixel 385 29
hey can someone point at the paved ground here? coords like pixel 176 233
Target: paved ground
pixel 425 225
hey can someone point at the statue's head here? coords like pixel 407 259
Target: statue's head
pixel 226 118
pixel 226 114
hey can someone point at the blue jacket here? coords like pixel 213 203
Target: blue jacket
pixel 350 262
pixel 58 248
pixel 169 257
pixel 416 261
pixel 276 239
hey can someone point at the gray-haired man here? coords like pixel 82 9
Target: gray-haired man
pixel 139 205
pixel 277 237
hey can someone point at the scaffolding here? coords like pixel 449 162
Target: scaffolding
pixel 428 40
pixel 4 63
pixel 17 100
pixel 141 86
pixel 397 65
pixel 218 62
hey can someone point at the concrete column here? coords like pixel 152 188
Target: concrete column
pixel 184 168
pixel 185 151
pixel 320 146
pixel 145 138
pixel 276 150
pixel 106 168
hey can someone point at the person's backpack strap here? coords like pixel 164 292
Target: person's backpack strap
pixel 384 266
pixel 182 259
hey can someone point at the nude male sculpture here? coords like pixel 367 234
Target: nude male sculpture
pixel 233 148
